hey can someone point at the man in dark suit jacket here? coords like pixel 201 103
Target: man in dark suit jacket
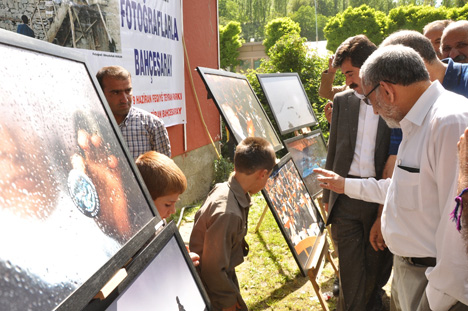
pixel 358 147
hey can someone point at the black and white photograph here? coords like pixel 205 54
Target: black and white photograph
pixel 288 101
pixel 166 281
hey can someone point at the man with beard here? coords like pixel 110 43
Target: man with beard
pixel 430 265
pixel 358 147
pixel 454 42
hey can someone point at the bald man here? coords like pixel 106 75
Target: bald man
pixel 454 42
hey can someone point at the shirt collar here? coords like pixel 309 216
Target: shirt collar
pixel 129 114
pixel 424 103
pixel 242 198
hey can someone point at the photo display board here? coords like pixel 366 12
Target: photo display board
pixel 239 106
pixel 162 277
pixel 308 151
pixel 73 209
pixel 294 211
pixel 288 101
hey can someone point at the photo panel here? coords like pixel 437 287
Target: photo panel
pixel 72 205
pixel 161 277
pixel 239 106
pixel 288 101
pixel 309 151
pixel 294 210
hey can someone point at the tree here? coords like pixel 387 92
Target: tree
pixel 414 17
pixel 305 17
pixel 227 10
pixel 355 21
pixel 229 43
pixel 277 28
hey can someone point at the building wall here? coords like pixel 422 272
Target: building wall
pixel 194 153
pixel 250 54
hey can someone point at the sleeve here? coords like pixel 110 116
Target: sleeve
pixel 326 89
pixel 159 137
pixel 447 280
pixel 369 190
pixel 216 261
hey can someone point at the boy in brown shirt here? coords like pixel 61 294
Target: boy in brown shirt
pixel 221 223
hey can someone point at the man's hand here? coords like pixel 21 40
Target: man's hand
pixel 328 109
pixel 330 180
pixel 104 171
pixel 331 69
pixel 375 236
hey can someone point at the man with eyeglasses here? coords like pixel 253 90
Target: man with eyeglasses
pixel 430 268
pixel 358 148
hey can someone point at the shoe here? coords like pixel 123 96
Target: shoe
pixel 336 287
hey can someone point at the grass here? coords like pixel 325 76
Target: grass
pixel 270 278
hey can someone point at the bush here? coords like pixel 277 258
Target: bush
pixel 278 28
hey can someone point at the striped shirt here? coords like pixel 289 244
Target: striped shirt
pixel 144 132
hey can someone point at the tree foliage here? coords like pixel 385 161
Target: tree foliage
pixel 278 28
pixel 229 43
pixel 414 17
pixel 355 21
pixel 305 17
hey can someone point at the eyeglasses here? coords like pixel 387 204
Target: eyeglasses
pixel 366 97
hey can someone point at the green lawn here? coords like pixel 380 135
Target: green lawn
pixel 270 278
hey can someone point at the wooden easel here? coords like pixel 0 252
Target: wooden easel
pixel 320 252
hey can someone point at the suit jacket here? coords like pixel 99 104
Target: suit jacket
pixel 342 142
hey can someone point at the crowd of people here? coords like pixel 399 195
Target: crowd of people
pixel 394 181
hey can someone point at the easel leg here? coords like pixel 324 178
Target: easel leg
pixel 261 218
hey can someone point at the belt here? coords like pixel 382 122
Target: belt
pixel 425 261
pixel 357 177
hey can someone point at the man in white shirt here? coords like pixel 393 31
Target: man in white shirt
pixel 430 264
pixel 358 147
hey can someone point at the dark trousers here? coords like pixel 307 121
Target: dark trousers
pixel 363 271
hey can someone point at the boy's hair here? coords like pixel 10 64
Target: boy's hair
pixel 114 72
pixel 253 154
pixel 160 174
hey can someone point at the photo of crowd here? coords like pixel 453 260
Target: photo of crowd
pixel 293 208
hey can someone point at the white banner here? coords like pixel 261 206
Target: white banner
pixel 144 36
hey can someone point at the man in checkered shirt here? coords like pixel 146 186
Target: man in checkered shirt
pixel 141 130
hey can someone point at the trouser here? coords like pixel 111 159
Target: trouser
pixel 409 287
pixel 361 268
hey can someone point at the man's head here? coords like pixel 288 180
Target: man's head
pixel 454 42
pixel 116 83
pixel 414 40
pixel 164 179
pixel 25 19
pixel 254 158
pixel 395 76
pixel 350 56
pixel 433 31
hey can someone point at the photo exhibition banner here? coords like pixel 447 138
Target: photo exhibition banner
pixel 144 36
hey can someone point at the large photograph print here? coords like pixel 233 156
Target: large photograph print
pixel 69 198
pixel 294 210
pixel 239 106
pixel 308 151
pixel 288 101
pixel 163 278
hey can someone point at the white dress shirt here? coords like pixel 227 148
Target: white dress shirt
pixel 364 152
pixel 416 215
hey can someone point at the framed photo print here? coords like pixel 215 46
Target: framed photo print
pixel 239 106
pixel 288 101
pixel 308 151
pixel 72 204
pixel 294 211
pixel 161 277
